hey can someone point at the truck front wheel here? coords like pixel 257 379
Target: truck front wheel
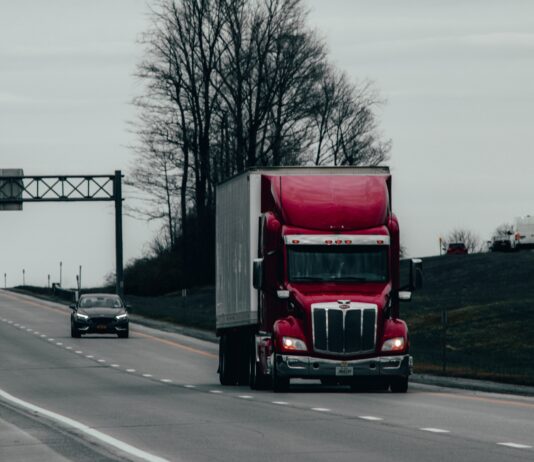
pixel 257 380
pixel 228 371
pixel 279 384
pixel 399 385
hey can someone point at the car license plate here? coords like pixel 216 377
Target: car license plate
pixel 101 327
pixel 344 371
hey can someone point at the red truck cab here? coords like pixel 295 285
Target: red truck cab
pixel 326 281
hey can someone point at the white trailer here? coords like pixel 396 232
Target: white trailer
pixel 524 231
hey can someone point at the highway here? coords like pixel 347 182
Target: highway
pixel 156 397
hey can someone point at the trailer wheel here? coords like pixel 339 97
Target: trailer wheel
pixel 279 384
pixel 399 385
pixel 227 362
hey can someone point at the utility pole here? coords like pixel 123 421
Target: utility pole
pixel 117 194
pixel 23 277
pixel 60 274
pixel 80 278
pixel 444 325
pixel 49 281
pixel 5 280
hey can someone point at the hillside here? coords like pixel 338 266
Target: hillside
pixel 489 299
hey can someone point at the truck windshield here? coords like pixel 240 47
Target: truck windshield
pixel 339 263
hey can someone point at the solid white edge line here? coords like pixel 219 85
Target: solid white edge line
pixel 111 441
pixel 434 430
pixel 515 445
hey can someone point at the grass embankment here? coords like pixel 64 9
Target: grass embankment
pixel 489 299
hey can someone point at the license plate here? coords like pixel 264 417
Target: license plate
pixel 344 371
pixel 101 327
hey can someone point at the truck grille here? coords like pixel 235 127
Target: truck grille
pixel 344 331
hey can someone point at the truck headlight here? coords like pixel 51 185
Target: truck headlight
pixel 293 344
pixel 122 316
pixel 82 317
pixel 393 344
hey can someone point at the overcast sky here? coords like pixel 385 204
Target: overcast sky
pixel 457 78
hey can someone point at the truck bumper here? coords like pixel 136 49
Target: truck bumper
pixel 308 367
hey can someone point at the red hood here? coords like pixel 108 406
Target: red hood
pixel 306 293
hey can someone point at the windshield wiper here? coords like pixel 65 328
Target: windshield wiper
pixel 308 278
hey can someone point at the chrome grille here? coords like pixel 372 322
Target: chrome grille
pixel 344 331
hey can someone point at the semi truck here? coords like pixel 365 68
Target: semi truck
pixel 308 279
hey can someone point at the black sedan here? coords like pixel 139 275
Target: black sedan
pixel 99 314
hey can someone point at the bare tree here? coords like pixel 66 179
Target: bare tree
pixel 232 84
pixel 504 229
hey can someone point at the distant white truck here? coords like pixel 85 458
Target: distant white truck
pixel 524 232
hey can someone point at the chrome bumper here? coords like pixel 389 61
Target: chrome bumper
pixel 310 367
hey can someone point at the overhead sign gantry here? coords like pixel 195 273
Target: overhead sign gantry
pixel 15 189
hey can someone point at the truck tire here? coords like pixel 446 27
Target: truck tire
pixel 279 384
pixel 257 380
pixel 399 385
pixel 243 358
pixel 227 362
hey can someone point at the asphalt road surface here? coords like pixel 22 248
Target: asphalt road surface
pixel 156 397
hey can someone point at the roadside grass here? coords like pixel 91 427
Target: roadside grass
pixel 489 300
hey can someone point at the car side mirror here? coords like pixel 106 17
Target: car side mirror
pixel 72 306
pixel 127 306
pixel 416 274
pixel 257 273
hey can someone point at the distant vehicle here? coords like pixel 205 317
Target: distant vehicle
pixel 503 242
pixel 99 314
pixel 524 232
pixel 456 248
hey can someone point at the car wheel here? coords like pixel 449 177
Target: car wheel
pixel 74 333
pixel 124 334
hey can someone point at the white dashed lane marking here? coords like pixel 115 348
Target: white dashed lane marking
pixel 515 445
pixel 249 397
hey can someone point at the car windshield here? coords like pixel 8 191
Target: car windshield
pixel 338 264
pixel 100 302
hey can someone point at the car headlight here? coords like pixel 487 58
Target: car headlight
pixel 81 316
pixel 122 316
pixel 393 344
pixel 293 344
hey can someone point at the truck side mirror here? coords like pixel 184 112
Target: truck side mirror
pixel 416 274
pixel 257 273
